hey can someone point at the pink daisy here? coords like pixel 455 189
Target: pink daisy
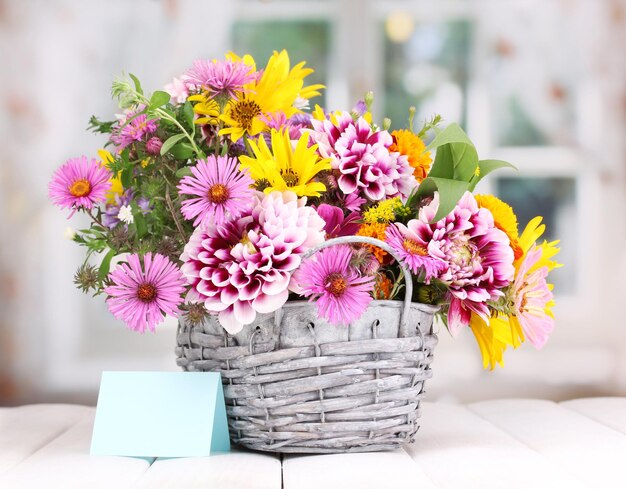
pixel 533 299
pixel 142 293
pixel 413 250
pixel 222 191
pixel 131 129
pixel 79 183
pixel 342 294
pixel 220 78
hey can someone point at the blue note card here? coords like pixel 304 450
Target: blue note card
pixel 160 414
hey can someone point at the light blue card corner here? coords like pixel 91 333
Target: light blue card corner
pixel 160 414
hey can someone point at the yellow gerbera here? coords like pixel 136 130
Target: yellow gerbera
pixel 116 181
pixel 504 219
pixel 494 338
pixel 277 90
pixel 285 168
pixel 408 144
pixel 532 232
pixel 206 107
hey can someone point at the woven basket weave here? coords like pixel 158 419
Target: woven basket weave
pixel 294 383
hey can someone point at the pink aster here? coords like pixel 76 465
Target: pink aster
pixel 79 183
pixel 413 250
pixel 219 78
pixel 222 191
pixel 341 293
pixel 533 299
pixel 143 291
pixel 479 260
pixel 362 158
pixel 132 128
pixel 244 266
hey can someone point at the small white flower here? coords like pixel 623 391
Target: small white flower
pixel 69 233
pixel 126 214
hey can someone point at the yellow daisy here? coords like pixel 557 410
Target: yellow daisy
pixel 206 107
pixel 532 232
pixel 277 90
pixel 494 338
pixel 504 219
pixel 116 181
pixel 285 168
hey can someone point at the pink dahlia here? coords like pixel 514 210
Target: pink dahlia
pixel 362 158
pixel 477 254
pixel 342 294
pixel 80 183
pixel 143 291
pixel 222 191
pixel 413 250
pixel 244 266
pixel 132 128
pixel 219 78
pixel 533 299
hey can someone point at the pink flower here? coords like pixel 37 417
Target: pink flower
pixel 413 250
pixel 144 291
pixel 220 78
pixel 244 266
pixel 533 299
pixel 222 191
pixel 342 295
pixel 362 158
pixel 153 146
pixel 178 90
pixel 79 183
pixel 132 128
pixel 337 224
pixel 477 254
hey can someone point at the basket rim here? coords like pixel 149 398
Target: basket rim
pixel 429 308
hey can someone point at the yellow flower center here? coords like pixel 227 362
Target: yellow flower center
pixel 218 193
pixel 80 188
pixel 146 292
pixel 414 248
pixel 290 178
pixel 336 284
pixel 244 111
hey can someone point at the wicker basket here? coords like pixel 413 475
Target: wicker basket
pixel 294 383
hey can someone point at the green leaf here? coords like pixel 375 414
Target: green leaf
pixel 158 99
pixel 456 156
pixel 137 83
pixel 188 113
pixel 127 177
pixel 170 142
pixel 105 265
pixel 450 192
pixel 139 220
pixel 451 134
pixel 185 171
pixel 486 167
pixel 182 151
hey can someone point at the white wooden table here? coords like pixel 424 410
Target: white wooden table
pixel 504 444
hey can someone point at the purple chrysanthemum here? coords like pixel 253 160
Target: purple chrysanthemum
pixel 362 158
pixel 80 182
pixel 143 291
pixel 341 293
pixel 222 191
pixel 244 267
pixel 219 78
pixel 477 254
pixel 132 128
pixel 413 250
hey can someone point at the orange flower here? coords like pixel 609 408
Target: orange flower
pixel 382 287
pixel 374 230
pixel 408 144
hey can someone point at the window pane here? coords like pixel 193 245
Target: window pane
pixel 555 200
pixel 304 40
pixel 426 65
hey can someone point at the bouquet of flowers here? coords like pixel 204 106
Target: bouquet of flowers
pixel 210 193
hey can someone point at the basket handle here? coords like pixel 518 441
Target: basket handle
pixel 408 281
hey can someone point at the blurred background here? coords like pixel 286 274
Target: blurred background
pixel 540 83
